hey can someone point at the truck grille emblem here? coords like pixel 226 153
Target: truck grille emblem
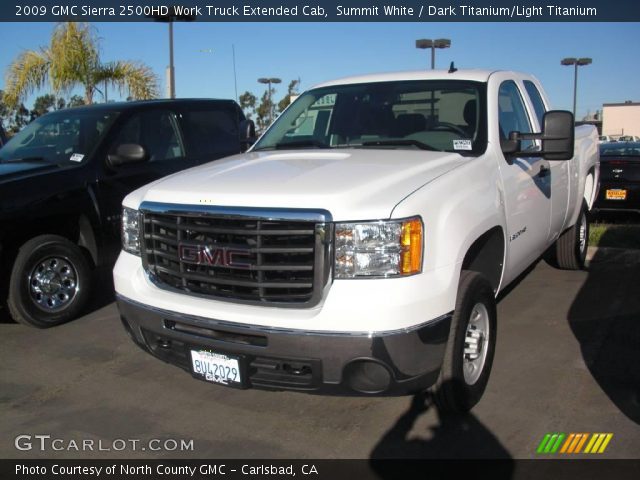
pixel 214 256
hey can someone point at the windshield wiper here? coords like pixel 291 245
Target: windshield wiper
pixel 400 142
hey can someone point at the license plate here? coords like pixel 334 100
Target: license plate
pixel 616 194
pixel 216 367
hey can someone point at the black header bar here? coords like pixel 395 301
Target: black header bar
pixel 321 10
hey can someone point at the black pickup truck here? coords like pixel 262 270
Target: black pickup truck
pixel 63 178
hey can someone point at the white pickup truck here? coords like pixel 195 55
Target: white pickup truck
pixel 358 247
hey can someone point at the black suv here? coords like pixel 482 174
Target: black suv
pixel 62 181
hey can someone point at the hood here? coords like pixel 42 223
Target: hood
pixel 352 184
pixel 12 170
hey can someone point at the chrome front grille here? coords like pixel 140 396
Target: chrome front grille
pixel 274 257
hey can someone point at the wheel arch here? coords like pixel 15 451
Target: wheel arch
pixel 75 228
pixel 486 256
pixel 591 187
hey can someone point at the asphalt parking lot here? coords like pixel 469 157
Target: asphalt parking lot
pixel 566 361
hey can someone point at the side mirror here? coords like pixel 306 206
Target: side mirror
pixel 127 153
pixel 247 134
pixel 558 137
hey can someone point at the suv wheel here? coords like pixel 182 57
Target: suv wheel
pixel 49 282
pixel 470 347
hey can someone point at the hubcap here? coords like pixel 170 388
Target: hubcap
pixel 475 344
pixel 53 284
pixel 582 233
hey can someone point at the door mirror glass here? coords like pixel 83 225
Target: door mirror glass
pixel 558 135
pixel 247 134
pixel 127 153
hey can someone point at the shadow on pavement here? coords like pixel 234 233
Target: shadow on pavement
pixel 455 436
pixel 605 318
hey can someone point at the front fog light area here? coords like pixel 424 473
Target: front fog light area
pixel 131 231
pixel 378 249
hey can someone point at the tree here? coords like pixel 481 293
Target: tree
pixel 43 104
pixel 263 111
pixel 13 118
pixel 248 103
pixel 75 101
pixel 72 59
pixel 291 90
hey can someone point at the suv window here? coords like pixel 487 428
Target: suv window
pixel 536 99
pixel 211 132
pixel 156 131
pixel 512 113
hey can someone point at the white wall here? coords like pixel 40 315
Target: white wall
pixel 621 120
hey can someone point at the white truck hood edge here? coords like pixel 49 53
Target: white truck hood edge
pixel 352 184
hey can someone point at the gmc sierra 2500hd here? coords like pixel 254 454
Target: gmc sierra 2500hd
pixel 359 246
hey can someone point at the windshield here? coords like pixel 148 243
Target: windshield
pixel 432 115
pixel 59 137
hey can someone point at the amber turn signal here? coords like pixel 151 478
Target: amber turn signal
pixel 411 243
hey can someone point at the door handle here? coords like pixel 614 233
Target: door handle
pixel 544 171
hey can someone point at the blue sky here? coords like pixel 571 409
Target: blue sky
pixel 315 52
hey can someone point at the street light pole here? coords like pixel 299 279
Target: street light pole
pixel 171 17
pixel 171 72
pixel 425 43
pixel 576 62
pixel 269 81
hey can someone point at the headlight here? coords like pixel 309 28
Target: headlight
pixel 379 249
pixel 131 230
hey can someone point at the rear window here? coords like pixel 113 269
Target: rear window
pixel 536 99
pixel 620 150
pixel 211 132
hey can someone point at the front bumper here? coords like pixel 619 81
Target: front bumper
pixel 389 363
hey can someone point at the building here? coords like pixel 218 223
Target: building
pixel 621 119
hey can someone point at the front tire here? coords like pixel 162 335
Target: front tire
pixel 470 348
pixel 50 282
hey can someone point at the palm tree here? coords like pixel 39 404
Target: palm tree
pixel 72 59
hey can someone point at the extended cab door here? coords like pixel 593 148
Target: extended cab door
pixel 526 183
pixel 155 129
pixel 559 174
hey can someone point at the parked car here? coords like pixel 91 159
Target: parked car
pixel 359 246
pixel 628 138
pixel 63 178
pixel 619 177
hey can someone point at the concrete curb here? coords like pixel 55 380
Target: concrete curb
pixel 612 255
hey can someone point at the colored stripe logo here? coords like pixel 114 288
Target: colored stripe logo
pixel 574 443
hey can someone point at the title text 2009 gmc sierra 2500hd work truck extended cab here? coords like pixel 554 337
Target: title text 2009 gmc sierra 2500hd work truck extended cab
pixel 359 246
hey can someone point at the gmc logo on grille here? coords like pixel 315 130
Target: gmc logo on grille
pixel 215 256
